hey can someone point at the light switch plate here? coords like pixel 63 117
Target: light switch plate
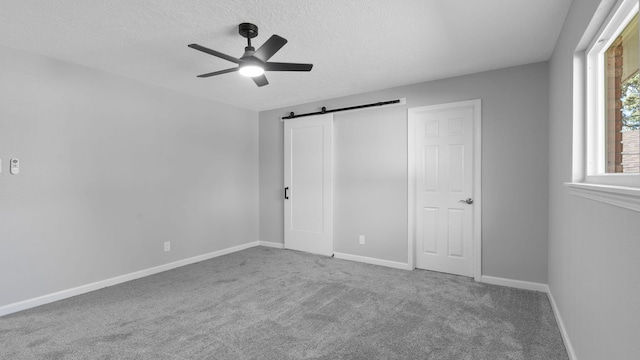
pixel 15 166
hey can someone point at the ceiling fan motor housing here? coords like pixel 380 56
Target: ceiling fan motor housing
pixel 248 30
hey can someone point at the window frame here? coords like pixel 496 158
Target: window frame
pixel 618 19
pixel 589 179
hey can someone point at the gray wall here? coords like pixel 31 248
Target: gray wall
pixel 371 167
pixel 371 183
pixel 594 248
pixel 110 169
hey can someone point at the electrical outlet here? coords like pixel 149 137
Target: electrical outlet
pixel 361 239
pixel 167 245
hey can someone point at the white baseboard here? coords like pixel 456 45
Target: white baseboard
pixel 271 244
pixel 518 284
pixel 60 295
pixel 374 261
pixel 563 330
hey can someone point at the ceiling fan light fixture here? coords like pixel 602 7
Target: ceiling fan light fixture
pixel 251 70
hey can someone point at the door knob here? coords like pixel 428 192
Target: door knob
pixel 467 201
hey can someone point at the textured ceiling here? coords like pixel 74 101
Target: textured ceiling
pixel 356 46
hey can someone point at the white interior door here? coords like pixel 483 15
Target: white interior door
pixel 445 200
pixel 308 183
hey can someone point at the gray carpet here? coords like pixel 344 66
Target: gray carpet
pixel 265 303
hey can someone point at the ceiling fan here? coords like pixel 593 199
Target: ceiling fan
pixel 254 63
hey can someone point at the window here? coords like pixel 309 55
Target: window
pixel 613 100
pixel 606 157
pixel 621 110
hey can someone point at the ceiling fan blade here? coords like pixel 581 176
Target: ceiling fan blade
pixel 266 51
pixel 260 80
pixel 214 53
pixel 274 66
pixel 218 72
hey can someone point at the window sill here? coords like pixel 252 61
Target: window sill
pixel 621 196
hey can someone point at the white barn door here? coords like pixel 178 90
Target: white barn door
pixel 308 184
pixel 445 201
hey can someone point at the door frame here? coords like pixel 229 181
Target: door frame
pixel 476 104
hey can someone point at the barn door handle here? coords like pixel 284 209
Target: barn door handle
pixel 467 201
pixel 286 196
